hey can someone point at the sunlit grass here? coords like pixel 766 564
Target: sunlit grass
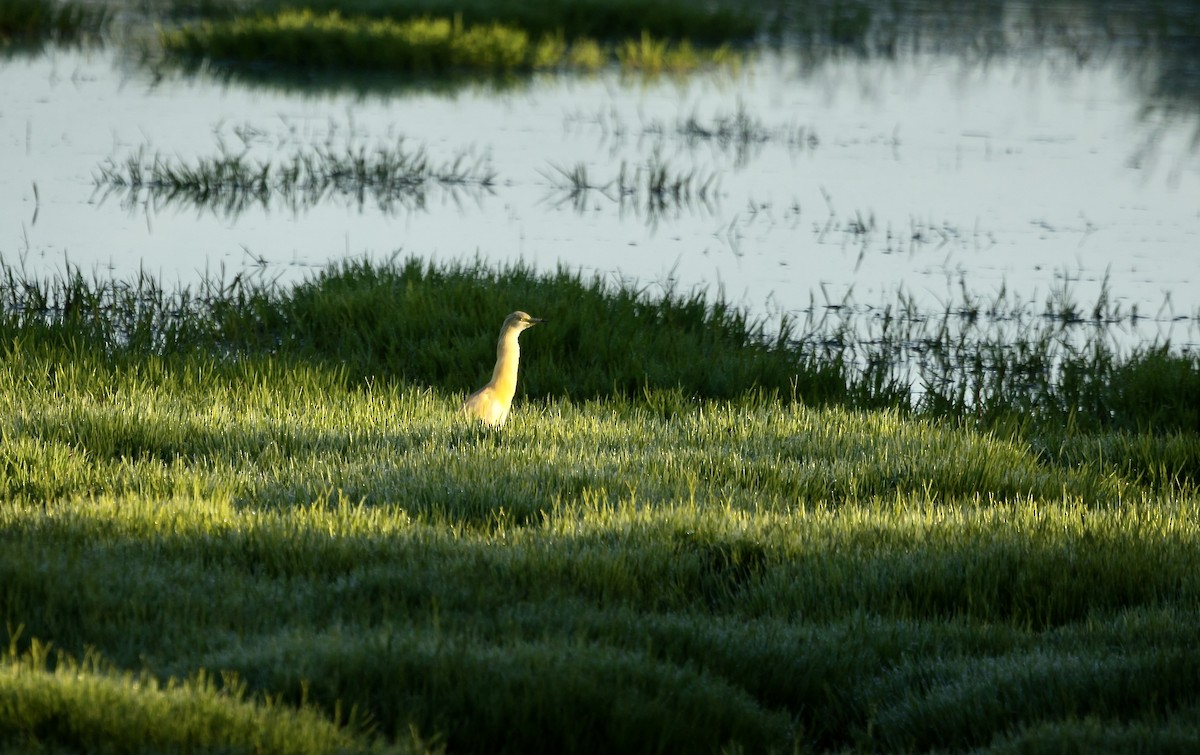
pixel 51 699
pixel 606 20
pixel 424 45
pixel 252 519
pixel 1003 364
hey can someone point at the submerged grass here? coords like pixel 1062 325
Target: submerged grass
pixel 250 518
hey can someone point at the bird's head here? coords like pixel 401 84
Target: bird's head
pixel 521 321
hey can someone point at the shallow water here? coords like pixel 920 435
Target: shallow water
pixel 864 177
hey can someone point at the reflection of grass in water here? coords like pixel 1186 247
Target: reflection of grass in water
pixel 740 133
pixel 32 20
pixel 233 183
pixel 653 189
pixel 1150 39
pixel 306 39
pixel 691 536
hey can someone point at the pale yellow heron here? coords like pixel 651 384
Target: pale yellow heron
pixel 490 404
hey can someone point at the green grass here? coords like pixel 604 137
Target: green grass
pixel 303 38
pixel 90 706
pixel 608 20
pixel 244 518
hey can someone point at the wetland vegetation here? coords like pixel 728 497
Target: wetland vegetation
pixel 423 46
pixel 248 517
pixel 245 515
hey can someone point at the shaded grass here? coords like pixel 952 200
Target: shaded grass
pixel 24 21
pixel 255 510
pixel 52 702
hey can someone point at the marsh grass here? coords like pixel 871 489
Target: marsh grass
pixel 993 362
pixel 393 178
pixel 608 20
pixel 303 38
pixel 249 518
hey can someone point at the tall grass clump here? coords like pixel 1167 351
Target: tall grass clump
pixel 608 20
pixel 310 40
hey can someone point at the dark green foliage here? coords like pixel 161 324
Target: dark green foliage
pixel 601 340
pixel 33 20
pixel 1154 390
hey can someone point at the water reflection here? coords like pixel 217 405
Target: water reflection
pixel 394 179
pixel 814 170
pixel 739 133
pixel 318 83
pixel 1154 42
pixel 653 191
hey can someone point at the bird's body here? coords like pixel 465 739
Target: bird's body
pixel 490 404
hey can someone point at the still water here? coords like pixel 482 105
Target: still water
pixel 803 183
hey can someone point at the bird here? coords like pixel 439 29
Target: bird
pixel 490 404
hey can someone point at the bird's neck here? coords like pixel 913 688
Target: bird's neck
pixel 508 355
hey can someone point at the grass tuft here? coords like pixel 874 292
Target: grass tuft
pixel 427 45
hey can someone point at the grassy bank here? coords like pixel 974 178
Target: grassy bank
pixel 1050 364
pixel 242 518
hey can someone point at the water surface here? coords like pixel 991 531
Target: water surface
pixel 852 176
